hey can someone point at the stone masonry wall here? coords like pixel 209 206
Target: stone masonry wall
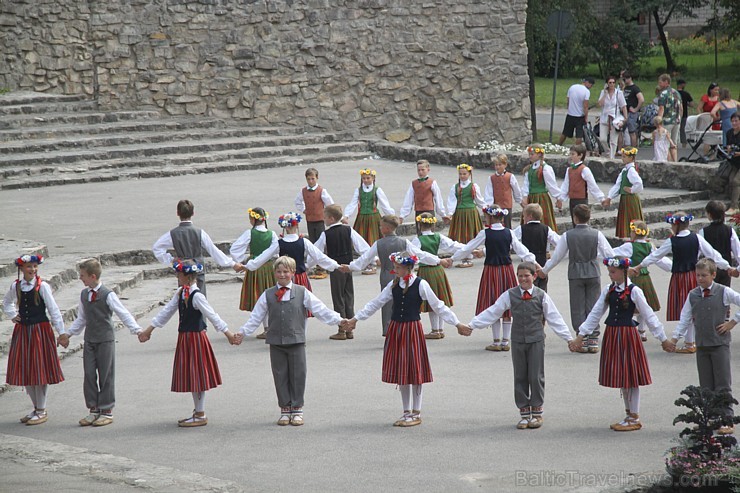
pixel 435 72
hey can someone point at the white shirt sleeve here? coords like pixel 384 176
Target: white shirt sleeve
pixel 604 248
pixel 515 190
pixel 615 189
pixel 685 321
pixel 647 315
pixel 358 242
pixel 491 314
pixel 732 297
pixel 320 310
pixel 321 242
pixel 354 203
pixel 220 257
pixel 525 185
pixel 316 256
pixel 238 250
pixel 326 198
pixel 624 250
pixel 467 249
pixel 452 199
pixel 415 241
pixel 735 245
pixel 376 303
pixel 594 317
pixel 160 248
pixel 51 306
pixel 425 290
pixel 554 319
pixel 488 194
pixel 565 186
pixel 364 259
pixel 114 303
pixel 9 300
pixel 448 245
pixel 552 185
pixel 438 199
pixel 258 315
pixel 201 304
pixel 408 203
pixel 263 257
pixel 383 204
pixel 552 237
pixel 708 251
pixel 635 179
pixel 300 205
pixel 424 257
pixel 518 232
pixel 657 254
pixel 478 199
pixel 561 250
pixel 165 314
pixel 593 187
pixel 79 323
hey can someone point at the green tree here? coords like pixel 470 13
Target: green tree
pixel 616 44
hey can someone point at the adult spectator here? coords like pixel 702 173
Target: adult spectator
pixel 669 107
pixel 635 99
pixel 709 101
pixel 613 114
pixel 686 102
pixel 723 110
pixel 577 101
pixel 732 138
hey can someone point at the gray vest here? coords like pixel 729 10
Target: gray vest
pixel 287 319
pixel 186 241
pixel 583 246
pixel 708 313
pixel 387 245
pixel 99 316
pixel 527 316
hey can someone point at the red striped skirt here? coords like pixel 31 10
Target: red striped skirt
pixel 302 280
pixel 255 282
pixel 195 368
pixel 678 290
pixel 496 279
pixel 368 226
pixel 630 209
pixel 405 358
pixel 33 358
pixel 548 214
pixel 623 361
pixel 465 225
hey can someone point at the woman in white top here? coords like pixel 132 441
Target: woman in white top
pixel 613 114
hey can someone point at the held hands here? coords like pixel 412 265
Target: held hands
pixel 559 204
pixel 634 271
pixel 230 336
pixel 63 340
pixel 446 263
pixel 238 338
pixel 345 220
pixel 238 267
pixel 344 268
pixel 606 203
pixel 576 344
pixel 446 219
pixel 348 325
pixel 669 345
pixel 464 330
pixel 145 335
pixel 478 253
pixel 16 319
pixel 734 272
pixel 721 328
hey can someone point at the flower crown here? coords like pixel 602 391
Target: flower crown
pixel 622 263
pixel 256 215
pixel 25 259
pixel 496 211
pixel 290 219
pixel 536 150
pixel 194 268
pixel 426 220
pixel 639 231
pixel 671 219
pixel 464 166
pixel 397 258
pixel 368 171
pixel 629 151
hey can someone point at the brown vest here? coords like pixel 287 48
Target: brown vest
pixel 314 205
pixel 502 190
pixel 423 196
pixel 577 188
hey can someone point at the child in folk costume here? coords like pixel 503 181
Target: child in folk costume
pixel 256 240
pixel 432 242
pixel 686 248
pixel 537 237
pixel 623 362
pixel 463 203
pixel 405 358
pixel 540 184
pixel 423 195
pixel 369 198
pixel 722 237
pixel 533 307
pixel 627 186
pixel 502 188
pixel 498 273
pixel 195 369
pixel 579 182
pixel 311 201
pixel 32 358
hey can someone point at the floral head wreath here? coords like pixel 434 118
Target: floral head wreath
pixel 368 171
pixel 466 167
pixel 397 258
pixel 629 151
pixel 622 263
pixel 496 211
pixel 536 150
pixel 671 219
pixel 290 219
pixel 26 259
pixel 256 215
pixel 639 231
pixel 193 268
pixel 426 220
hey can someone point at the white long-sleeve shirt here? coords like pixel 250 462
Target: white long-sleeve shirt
pixel 426 293
pixel 452 197
pixel 731 297
pixel 552 236
pixel 200 303
pixel 494 312
pixel 548 174
pixel 114 303
pixel 164 243
pixel 704 249
pixel 516 192
pixel 300 205
pixel 310 302
pixel 358 242
pixel 314 255
pixel 734 243
pixel 591 185
pixel 634 178
pixel 446 244
pixel 383 204
pixel 480 240
pixel 55 316
pixel 647 315
pixel 603 250
pixel 239 248
pixel 625 250
pixel 370 255
pixel 408 201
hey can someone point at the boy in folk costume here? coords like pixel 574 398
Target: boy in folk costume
pixel 311 201
pixel 579 182
pixel 502 188
pixel 423 195
pixel 722 237
pixel 537 237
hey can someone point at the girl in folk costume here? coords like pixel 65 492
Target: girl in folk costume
pixel 431 242
pixel 623 362
pixel 370 199
pixel 195 369
pixel 32 359
pixel 686 248
pixel 464 200
pixel 539 184
pixel 256 240
pixel 405 358
pixel 627 186
pixel 502 188
pixel 498 273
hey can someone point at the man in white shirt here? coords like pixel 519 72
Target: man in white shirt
pixel 577 101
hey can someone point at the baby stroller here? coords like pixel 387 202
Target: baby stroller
pixel 645 122
pixel 591 139
pixel 699 133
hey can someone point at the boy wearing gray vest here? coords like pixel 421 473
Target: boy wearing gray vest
pixel 708 309
pixel 530 306
pixel 95 316
pixel 585 247
pixel 286 305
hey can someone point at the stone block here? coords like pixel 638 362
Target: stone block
pixel 398 135
pixel 196 108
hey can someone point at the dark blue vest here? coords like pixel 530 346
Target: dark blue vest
pixel 685 252
pixel 191 320
pixel 619 316
pixel 498 246
pixel 30 312
pixel 295 250
pixel 407 307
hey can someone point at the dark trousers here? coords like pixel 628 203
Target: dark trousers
pixel 315 228
pixel 542 283
pixel 572 203
pixel 342 293
pixel 98 362
pixel 723 278
pixel 583 296
pixel 713 363
pixel 288 363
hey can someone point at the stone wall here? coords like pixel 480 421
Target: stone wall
pixel 434 72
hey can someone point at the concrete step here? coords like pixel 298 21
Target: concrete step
pixel 28 97
pixel 75 118
pixel 41 108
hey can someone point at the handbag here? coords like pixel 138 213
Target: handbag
pixel 724 169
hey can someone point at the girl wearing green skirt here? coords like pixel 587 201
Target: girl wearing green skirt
pixel 627 188
pixel 465 200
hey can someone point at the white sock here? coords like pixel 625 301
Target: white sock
pixel 405 396
pixel 689 339
pixel 416 394
pixel 31 391
pixel 435 321
pixel 496 330
pixel 506 325
pixel 626 397
pixel 41 391
pixel 634 395
pixel 199 401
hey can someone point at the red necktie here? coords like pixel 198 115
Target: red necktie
pixel 93 295
pixel 706 292
pixel 186 292
pixel 280 292
pixel 526 296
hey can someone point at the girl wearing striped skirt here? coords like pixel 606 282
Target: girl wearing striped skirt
pixel 540 184
pixel 431 242
pixel 498 273
pixel 32 359
pixel 627 186
pixel 195 369
pixel 256 280
pixel 464 200
pixel 686 248
pixel 405 358
pixel 623 362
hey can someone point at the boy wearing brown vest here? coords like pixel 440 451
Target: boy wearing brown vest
pixel 311 201
pixel 424 195
pixel 503 189
pixel 579 182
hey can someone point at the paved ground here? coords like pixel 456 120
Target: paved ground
pixel 467 441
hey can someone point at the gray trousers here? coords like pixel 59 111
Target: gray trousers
pixel 529 373
pixel 387 310
pixel 713 363
pixel 342 293
pixel 583 296
pixel 314 228
pixel 288 363
pixel 201 281
pixel 98 361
